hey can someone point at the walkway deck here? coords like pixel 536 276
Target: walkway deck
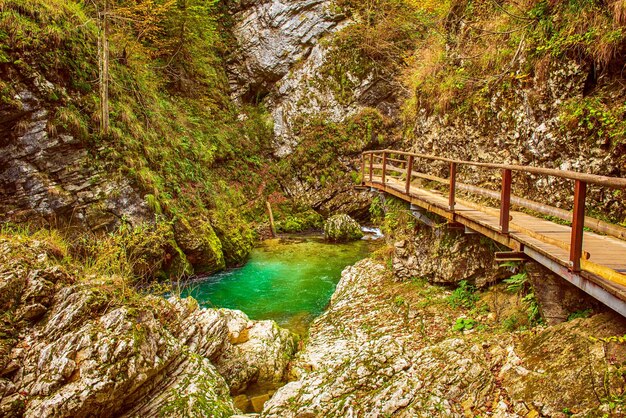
pixel 601 267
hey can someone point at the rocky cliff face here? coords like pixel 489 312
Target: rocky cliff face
pixel 388 349
pixel 76 347
pixel 284 60
pixel 53 178
pixel 525 126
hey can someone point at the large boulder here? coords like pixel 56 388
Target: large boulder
pixel 92 346
pixel 256 352
pixel 342 228
pixel 198 240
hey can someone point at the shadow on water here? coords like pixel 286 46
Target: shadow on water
pixel 289 280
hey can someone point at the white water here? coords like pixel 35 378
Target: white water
pixel 370 233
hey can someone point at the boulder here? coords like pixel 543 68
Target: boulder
pixel 342 228
pixel 73 347
pixel 203 249
pixel 256 352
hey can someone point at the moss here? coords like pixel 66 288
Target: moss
pixel 341 228
pixel 236 237
pixel 202 394
pixel 301 221
pixel 198 240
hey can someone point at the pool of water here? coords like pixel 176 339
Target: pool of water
pixel 289 280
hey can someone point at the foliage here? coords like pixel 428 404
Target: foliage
pixel 383 32
pixel 136 253
pixel 585 313
pixel 174 131
pixel 596 119
pixel 463 296
pixel 393 217
pixel 318 161
pixel 612 339
pixel 519 283
pixel 472 49
pixel 464 324
pixel 377 210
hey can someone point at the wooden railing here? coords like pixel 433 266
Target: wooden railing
pixel 400 165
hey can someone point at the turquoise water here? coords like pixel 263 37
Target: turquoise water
pixel 289 280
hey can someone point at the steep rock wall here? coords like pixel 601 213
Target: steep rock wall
pixel 284 60
pixel 52 178
pixel 524 126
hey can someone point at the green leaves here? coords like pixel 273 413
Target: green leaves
pixel 463 296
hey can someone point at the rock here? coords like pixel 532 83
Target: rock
pixel 257 352
pixel 200 244
pixel 557 298
pixel 447 257
pixel 527 129
pixel 259 401
pixel 47 175
pixel 242 402
pixel 579 365
pixel 366 357
pixel 284 58
pixel 78 348
pixel 340 228
pixel 272 37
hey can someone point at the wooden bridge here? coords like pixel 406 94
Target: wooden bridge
pixel 593 261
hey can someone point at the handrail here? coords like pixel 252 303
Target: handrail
pixel 615 182
pixel 578 218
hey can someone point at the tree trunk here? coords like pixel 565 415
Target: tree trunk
pixel 103 58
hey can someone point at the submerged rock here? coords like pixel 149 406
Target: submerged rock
pixel 341 228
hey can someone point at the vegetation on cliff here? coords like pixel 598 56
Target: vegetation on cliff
pixel 174 131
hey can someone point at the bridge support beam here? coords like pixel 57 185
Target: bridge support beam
pixel 580 282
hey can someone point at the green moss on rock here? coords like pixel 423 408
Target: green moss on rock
pixel 236 236
pixel 342 228
pixel 199 242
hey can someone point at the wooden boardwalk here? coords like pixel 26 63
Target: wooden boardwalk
pixel 596 263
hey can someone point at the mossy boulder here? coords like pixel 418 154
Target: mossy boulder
pixel 236 236
pixel 200 244
pixel 342 228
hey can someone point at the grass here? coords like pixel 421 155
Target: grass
pixel 175 134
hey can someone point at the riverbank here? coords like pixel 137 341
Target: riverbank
pixel 78 345
pixel 391 347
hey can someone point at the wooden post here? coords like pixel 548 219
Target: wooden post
pixel 578 222
pixel 362 168
pixel 272 227
pixel 384 165
pixel 409 174
pixel 371 166
pixel 505 201
pixel 452 197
